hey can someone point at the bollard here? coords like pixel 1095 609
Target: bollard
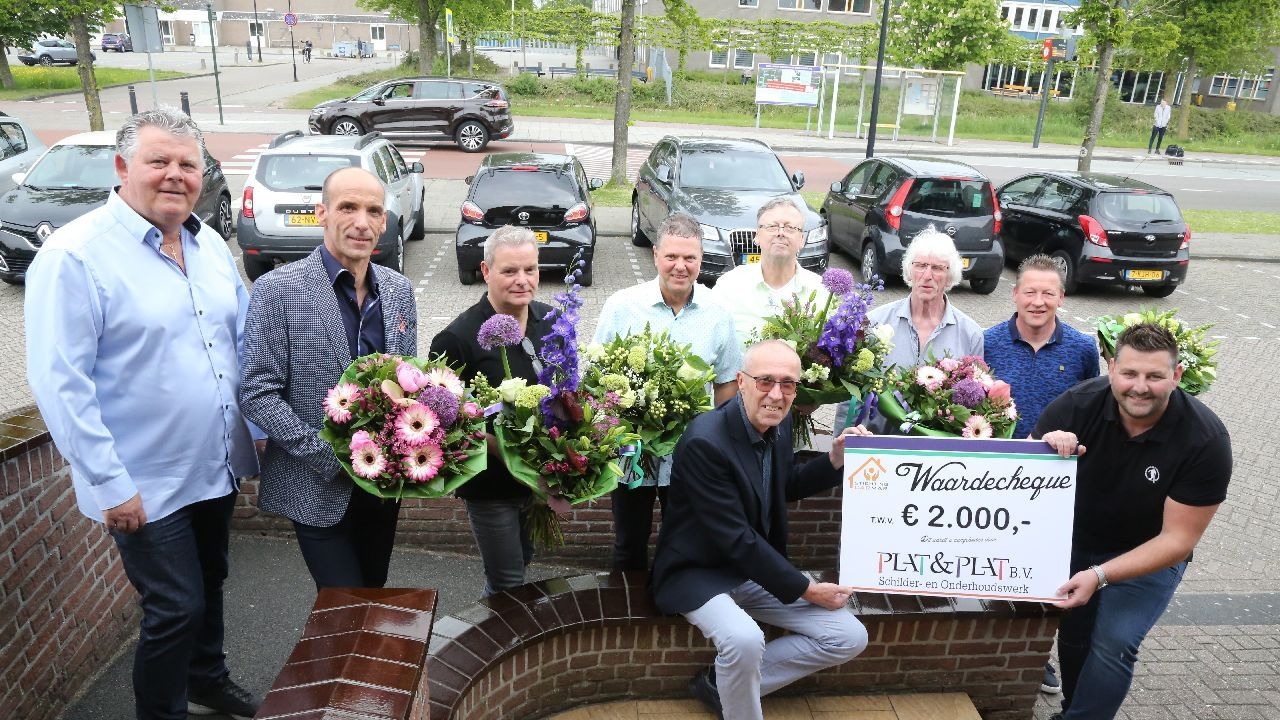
pixel 186 103
pixel 202 65
pixel 133 101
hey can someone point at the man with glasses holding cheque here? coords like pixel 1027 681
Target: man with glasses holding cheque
pixel 721 559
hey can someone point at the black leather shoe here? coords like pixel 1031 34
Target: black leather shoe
pixel 703 688
pixel 224 697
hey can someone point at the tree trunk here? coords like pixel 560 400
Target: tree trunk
pixel 6 72
pixel 622 102
pixel 92 102
pixel 578 64
pixel 1184 112
pixel 427 17
pixel 1100 91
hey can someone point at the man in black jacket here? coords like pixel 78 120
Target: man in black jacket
pixel 721 559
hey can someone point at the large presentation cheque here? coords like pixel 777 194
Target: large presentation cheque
pixel 956 517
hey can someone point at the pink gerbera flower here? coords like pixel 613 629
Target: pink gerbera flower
pixel 447 379
pixel 415 425
pixel 976 426
pixel 424 462
pixel 930 377
pixel 337 404
pixel 369 462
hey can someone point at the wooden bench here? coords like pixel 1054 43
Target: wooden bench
pixel 547 647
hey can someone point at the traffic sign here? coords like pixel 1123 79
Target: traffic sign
pixel 290 19
pixel 1047 51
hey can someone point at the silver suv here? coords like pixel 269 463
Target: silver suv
pixel 52 50
pixel 277 222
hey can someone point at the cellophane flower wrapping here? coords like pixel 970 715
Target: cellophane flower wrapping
pixel 950 398
pixel 404 427
pixel 1195 352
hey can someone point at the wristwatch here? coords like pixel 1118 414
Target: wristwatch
pixel 1102 576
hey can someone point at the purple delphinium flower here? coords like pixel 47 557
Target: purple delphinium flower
pixel 560 347
pixel 968 392
pixel 837 281
pixel 499 331
pixel 443 403
pixel 842 329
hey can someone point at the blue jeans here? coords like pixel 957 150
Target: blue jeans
pixel 501 529
pixel 178 565
pixel 1098 642
pixel 356 551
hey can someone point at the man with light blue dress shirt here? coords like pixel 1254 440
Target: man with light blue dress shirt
pixel 133 317
pixel 668 302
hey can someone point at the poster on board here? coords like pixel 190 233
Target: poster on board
pixel 788 84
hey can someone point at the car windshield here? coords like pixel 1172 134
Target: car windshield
pixel 513 188
pixel 371 94
pixel 1141 208
pixel 733 171
pixel 949 197
pixel 75 166
pixel 299 173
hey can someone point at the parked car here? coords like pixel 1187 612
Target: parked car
pixel 1101 229
pixel 882 203
pixel 549 194
pixel 466 111
pixel 277 222
pixel 722 183
pixel 120 42
pixel 19 147
pixel 73 177
pixel 52 50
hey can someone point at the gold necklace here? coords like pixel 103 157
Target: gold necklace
pixel 170 250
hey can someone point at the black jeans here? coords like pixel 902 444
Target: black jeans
pixel 1157 137
pixel 632 525
pixel 356 552
pixel 178 565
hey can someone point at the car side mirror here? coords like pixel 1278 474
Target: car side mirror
pixel 467 179
pixel 417 168
pixel 836 187
pixel 797 179
pixel 595 183
pixel 379 101
pixel 664 174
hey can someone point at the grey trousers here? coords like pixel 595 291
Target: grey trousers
pixel 747 668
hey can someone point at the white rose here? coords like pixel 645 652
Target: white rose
pixel 510 388
pixel 883 332
pixel 593 352
pixel 627 399
pixel 688 372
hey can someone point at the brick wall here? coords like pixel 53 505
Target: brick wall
pixel 588 530
pixel 65 604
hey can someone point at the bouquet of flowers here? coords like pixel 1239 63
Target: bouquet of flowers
pixel 950 397
pixel 1195 354
pixel 841 354
pixel 404 427
pixel 558 439
pixel 657 384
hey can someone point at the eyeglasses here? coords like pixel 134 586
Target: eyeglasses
pixel 780 227
pixel 765 384
pixel 930 267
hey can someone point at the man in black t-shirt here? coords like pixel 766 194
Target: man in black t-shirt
pixel 1156 469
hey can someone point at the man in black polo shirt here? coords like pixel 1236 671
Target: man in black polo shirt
pixel 1156 469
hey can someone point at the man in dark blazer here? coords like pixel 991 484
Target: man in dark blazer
pixel 306 322
pixel 721 559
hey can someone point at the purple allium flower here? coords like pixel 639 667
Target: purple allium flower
pixel 499 331
pixel 968 392
pixel 838 281
pixel 442 402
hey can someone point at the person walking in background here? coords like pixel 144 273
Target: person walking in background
pixel 307 321
pixel 1159 123
pixel 306 51
pixel 133 317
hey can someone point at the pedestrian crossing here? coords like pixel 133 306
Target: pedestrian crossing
pixel 597 160
pixel 242 163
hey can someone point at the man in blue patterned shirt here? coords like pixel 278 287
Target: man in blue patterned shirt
pixel 1038 356
pixel 667 302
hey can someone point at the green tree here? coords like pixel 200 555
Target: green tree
pixel 21 24
pixel 946 34
pixel 568 22
pixel 426 12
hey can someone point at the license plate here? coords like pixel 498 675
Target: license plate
pixel 751 259
pixel 539 236
pixel 964 263
pixel 305 219
pixel 1144 274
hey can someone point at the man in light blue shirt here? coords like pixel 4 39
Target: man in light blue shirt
pixel 133 316
pixel 668 302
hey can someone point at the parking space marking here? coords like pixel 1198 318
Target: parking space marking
pixel 597 160
pixel 1267 325
pixel 1241 315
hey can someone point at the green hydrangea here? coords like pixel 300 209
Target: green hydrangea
pixel 614 382
pixel 866 360
pixel 529 397
pixel 637 356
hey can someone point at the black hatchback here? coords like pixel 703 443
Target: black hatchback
pixel 549 194
pixel 1101 229
pixel 885 201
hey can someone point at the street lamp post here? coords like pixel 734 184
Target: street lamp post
pixel 875 94
pixel 257 29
